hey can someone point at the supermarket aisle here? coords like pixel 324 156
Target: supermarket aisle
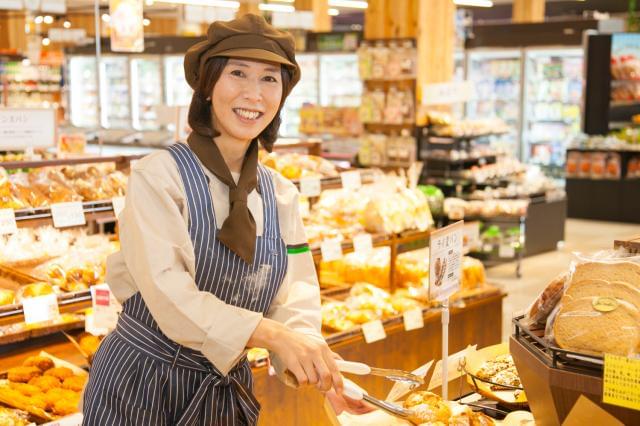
pixel 537 271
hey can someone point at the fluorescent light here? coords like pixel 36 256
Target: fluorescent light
pixel 475 3
pixel 215 3
pixel 334 12
pixel 66 24
pixel 48 19
pixel 349 3
pixel 277 7
pixel 46 41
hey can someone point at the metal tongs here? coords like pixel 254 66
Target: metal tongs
pixel 363 369
pixel 354 392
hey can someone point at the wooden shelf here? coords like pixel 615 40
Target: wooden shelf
pixel 32 164
pixel 99 211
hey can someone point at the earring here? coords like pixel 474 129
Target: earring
pixel 209 99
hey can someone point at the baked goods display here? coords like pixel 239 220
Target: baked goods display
pixel 354 267
pixel 13 417
pixel 295 166
pixel 323 120
pixel 539 311
pixel 43 387
pixel 456 208
pixel 468 128
pixel 430 409
pixel 19 331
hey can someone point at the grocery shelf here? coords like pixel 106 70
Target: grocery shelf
pixel 67 302
pixel 29 164
pixel 93 211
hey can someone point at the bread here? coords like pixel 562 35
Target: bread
pixel 540 309
pixel 36 289
pixel 601 288
pixel 427 407
pixel 627 272
pixel 6 297
pixel 42 362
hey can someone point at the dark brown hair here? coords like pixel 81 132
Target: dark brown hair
pixel 200 114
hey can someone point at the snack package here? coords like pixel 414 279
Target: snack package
pixel 573 161
pixel 599 311
pixel 613 169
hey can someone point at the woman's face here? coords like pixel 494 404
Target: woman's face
pixel 246 98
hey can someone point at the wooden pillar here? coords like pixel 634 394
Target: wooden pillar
pixel 400 19
pixel 248 6
pixel 12 26
pixel 320 9
pixel 528 11
pixel 435 40
pixel 374 19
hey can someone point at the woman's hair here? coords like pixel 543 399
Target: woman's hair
pixel 200 116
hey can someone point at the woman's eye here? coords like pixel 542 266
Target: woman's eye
pixel 270 79
pixel 237 73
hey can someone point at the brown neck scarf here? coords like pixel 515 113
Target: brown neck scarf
pixel 238 231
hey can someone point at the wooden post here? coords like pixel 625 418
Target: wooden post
pixel 248 6
pixel 12 30
pixel 400 19
pixel 374 19
pixel 528 11
pixel 320 9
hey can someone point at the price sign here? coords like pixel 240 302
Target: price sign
pixel 351 179
pixel 621 383
pixel 363 243
pixel 453 368
pixel 311 186
pixel 445 261
pixel 67 214
pixel 448 93
pixel 22 128
pixel 7 221
pixel 105 307
pixel 373 331
pixel 471 236
pixel 413 319
pixel 506 251
pixel 305 209
pixel 118 205
pixel 41 308
pixel 331 250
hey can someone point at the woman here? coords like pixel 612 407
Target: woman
pixel 213 254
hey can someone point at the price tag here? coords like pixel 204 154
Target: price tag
pixel 67 214
pixel 351 179
pixel 305 209
pixel 41 308
pixel 363 243
pixel 621 384
pixel 373 331
pixel 7 222
pixel 118 205
pixel 507 251
pixel 311 186
pixel 331 250
pixel 105 307
pixel 445 261
pixel 471 236
pixel 413 319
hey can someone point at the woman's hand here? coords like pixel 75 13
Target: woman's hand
pixel 342 403
pixel 310 360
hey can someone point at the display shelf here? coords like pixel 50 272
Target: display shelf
pixel 487 159
pixel 367 176
pixel 93 211
pixel 122 161
pixel 67 302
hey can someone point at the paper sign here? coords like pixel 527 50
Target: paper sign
pixel 22 128
pixel 72 420
pixel 413 319
pixel 105 307
pixel 471 236
pixel 127 31
pixel 351 179
pixel 448 93
pixel 331 250
pixel 400 389
pixel 453 368
pixel 621 381
pixel 445 261
pixel 118 205
pixel 363 243
pixel 305 209
pixel 373 331
pixel 67 214
pixel 311 186
pixel 7 221
pixel 41 308
pixel 506 251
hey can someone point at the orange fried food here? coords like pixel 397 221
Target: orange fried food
pixel 60 373
pixel 64 407
pixel 42 362
pixel 25 389
pixel 39 400
pixel 23 374
pixel 74 383
pixel 89 343
pixel 45 383
pixel 56 394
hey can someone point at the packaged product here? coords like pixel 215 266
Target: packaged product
pixel 365 61
pixel 380 55
pixel 613 169
pixel 394 63
pixel 573 161
pixel 584 167
pixel 633 167
pixel 394 106
pixel 546 302
pixel 598 165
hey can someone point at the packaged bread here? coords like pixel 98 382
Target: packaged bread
pixel 540 309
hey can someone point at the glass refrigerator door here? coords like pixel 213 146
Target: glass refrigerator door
pixel 497 77
pixel 83 92
pixel 305 92
pixel 553 90
pixel 146 92
pixel 340 83
pixel 114 90
pixel 457 110
pixel 175 85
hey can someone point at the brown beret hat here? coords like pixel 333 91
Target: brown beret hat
pixel 247 37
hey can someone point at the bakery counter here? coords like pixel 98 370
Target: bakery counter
pixel 479 322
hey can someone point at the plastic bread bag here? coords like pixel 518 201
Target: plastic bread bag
pixel 540 309
pixel 599 311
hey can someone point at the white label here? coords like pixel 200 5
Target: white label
pixel 54 6
pixel 305 209
pixel 413 319
pixel 72 420
pixel 351 179
pixel 471 236
pixel 373 331
pixel 507 251
pixel 21 128
pixel 7 221
pixel 67 214
pixel 118 205
pixel 68 35
pixel 105 307
pixel 311 186
pixel 445 261
pixel 41 308
pixel 363 243
pixel 448 93
pixel 90 326
pixel 331 250
pixel 11 4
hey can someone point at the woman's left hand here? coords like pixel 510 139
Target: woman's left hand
pixel 342 403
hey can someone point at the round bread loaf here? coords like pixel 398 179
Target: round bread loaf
pixel 601 288
pixel 627 272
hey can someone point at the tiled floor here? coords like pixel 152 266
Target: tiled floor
pixel 581 236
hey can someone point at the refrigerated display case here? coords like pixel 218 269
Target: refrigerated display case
pixel 497 75
pixel 115 106
pixel 552 98
pixel 175 85
pixel 83 92
pixel 340 83
pixel 146 91
pixel 306 91
pixel 457 110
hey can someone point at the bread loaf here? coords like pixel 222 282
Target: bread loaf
pixel 627 272
pixel 601 288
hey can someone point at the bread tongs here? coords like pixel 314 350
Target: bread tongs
pixel 354 392
pixel 363 369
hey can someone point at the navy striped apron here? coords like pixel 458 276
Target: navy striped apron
pixel 141 377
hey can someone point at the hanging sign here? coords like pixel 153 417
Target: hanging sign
pixel 127 29
pixel 445 261
pixel 22 128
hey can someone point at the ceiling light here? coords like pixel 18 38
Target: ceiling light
pixel 46 41
pixel 215 3
pixel 474 3
pixel 48 19
pixel 277 7
pixel 146 22
pixel 334 12
pixel 106 17
pixel 149 2
pixel 38 19
pixel 66 24
pixel 349 3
